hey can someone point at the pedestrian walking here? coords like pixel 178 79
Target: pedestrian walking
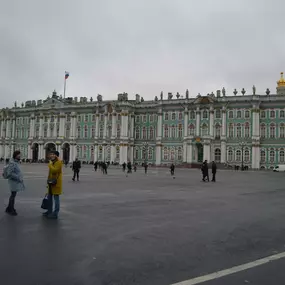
pixel 214 171
pixel 145 167
pixel 76 165
pixel 205 171
pixel 129 166
pixel 124 166
pixel 13 173
pixel 95 165
pixel 54 185
pixel 104 168
pixel 172 168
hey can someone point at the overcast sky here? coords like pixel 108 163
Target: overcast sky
pixel 139 46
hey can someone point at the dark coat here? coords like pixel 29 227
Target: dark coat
pixel 214 167
pixel 76 165
pixel 205 169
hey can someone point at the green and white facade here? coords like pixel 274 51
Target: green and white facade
pixel 227 129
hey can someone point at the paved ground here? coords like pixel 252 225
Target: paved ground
pixel 151 230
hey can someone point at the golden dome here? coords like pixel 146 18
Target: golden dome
pixel 281 81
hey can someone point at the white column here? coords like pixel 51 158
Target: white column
pixel 113 153
pixel 206 151
pixel 62 125
pixel 13 127
pixel 131 154
pixel 211 122
pixel 32 126
pixel 184 151
pixel 223 152
pixel 257 157
pixel 158 154
pixel 253 157
pixel 224 123
pixel 29 151
pixel 48 128
pixel 75 154
pixel 8 129
pixel 189 153
pixel 114 118
pixel 1 150
pixel 186 123
pixel 103 152
pixel 95 153
pixel 2 129
pixel 6 152
pixel 223 138
pixel 132 125
pixel 198 122
pixel 97 126
pixel 159 125
pixel 41 130
pixel 105 125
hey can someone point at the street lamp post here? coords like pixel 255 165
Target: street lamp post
pixel 242 145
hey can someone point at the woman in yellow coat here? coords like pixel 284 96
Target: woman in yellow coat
pixel 54 185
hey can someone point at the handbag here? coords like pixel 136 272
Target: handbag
pixel 52 181
pixel 45 202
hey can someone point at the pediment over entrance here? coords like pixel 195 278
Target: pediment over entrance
pixel 204 100
pixel 54 101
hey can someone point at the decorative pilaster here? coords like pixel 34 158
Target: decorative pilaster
pixel 114 117
pixel 2 129
pixel 132 125
pixel 223 137
pixel 41 130
pixel 105 125
pixel 8 128
pixel 62 118
pixel 211 122
pixel 189 153
pixel 95 152
pixel 97 126
pixel 158 138
pixel 198 121
pixel 32 127
pixel 206 151
pixel 48 128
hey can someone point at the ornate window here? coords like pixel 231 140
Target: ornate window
pixel 231 131
pixel 217 131
pixel 118 131
pixel 239 114
pixel 173 116
pixel 246 155
pixel 137 119
pixel 151 118
pixel 109 131
pixel 192 115
pixel 272 114
pixel 179 154
pixel 101 132
pixel 172 154
pixel 166 131
pixel 231 114
pixel 246 130
pixel 165 153
pixel 282 114
pixel 23 133
pixel 67 132
pixel 173 131
pixel 86 118
pixel 93 131
pixel 238 131
pixel 180 116
pixel 180 130
pixel 262 114
pixel 57 130
pixel 218 113
pixel 205 114
pixel 136 153
pixel 204 130
pixel 272 131
pixel 37 132
pixel 281 156
pixel 191 129
pixel 93 117
pixel 262 156
pixel 238 155
pixel 118 152
pixel 52 118
pixel 166 116
pixel 272 156
pixel 17 133
pixel 217 155
pixel 144 133
pixel 45 132
pixel 246 114
pixel 150 153
pixel 137 132
pixel 263 131
pixel 282 131
pixel 151 133
pixel 144 118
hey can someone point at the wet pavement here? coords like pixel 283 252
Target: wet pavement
pixel 145 229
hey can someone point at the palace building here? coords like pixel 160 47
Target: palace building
pixel 243 128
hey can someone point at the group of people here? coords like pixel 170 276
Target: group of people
pixel 12 172
pixel 205 171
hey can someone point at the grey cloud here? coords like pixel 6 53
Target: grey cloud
pixel 138 47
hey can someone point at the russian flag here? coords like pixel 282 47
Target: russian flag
pixel 66 74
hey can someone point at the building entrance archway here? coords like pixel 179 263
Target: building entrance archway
pixel 35 152
pixel 200 152
pixel 66 152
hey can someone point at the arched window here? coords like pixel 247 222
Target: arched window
pixel 173 116
pixel 144 118
pixel 238 155
pixel 246 114
pixel 172 154
pixel 151 133
pixel 217 155
pixel 246 130
pixel 272 131
pixel 166 116
pixel 262 114
pixel 204 130
pixel 281 156
pixel 231 114
pixel 231 130
pixel 246 155
pixel 238 114
pixel 166 131
pixel 173 131
pixel 101 132
pixel 137 132
pixel 217 131
pixel 218 113
pixel 109 131
pixel 86 131
pixel 262 156
pixel 180 116
pixel 144 133
pixel 282 114
pixel 272 156
pixel 136 153
pixel 150 153
pixel 180 130
pixel 263 131
pixel 282 131
pixel 238 131
pixel 191 129
pixel 179 154
pixel 205 114
pixel 151 118
pixel 272 114
pixel 165 153
pixel 192 115
pixel 230 155
pixel 118 131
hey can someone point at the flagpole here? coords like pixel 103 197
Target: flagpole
pixel 64 87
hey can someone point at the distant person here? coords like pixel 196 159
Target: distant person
pixel 54 185
pixel 172 168
pixel 129 166
pixel 124 166
pixel 13 173
pixel 145 167
pixel 104 168
pixel 95 165
pixel 76 165
pixel 135 168
pixel 205 171
pixel 214 171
